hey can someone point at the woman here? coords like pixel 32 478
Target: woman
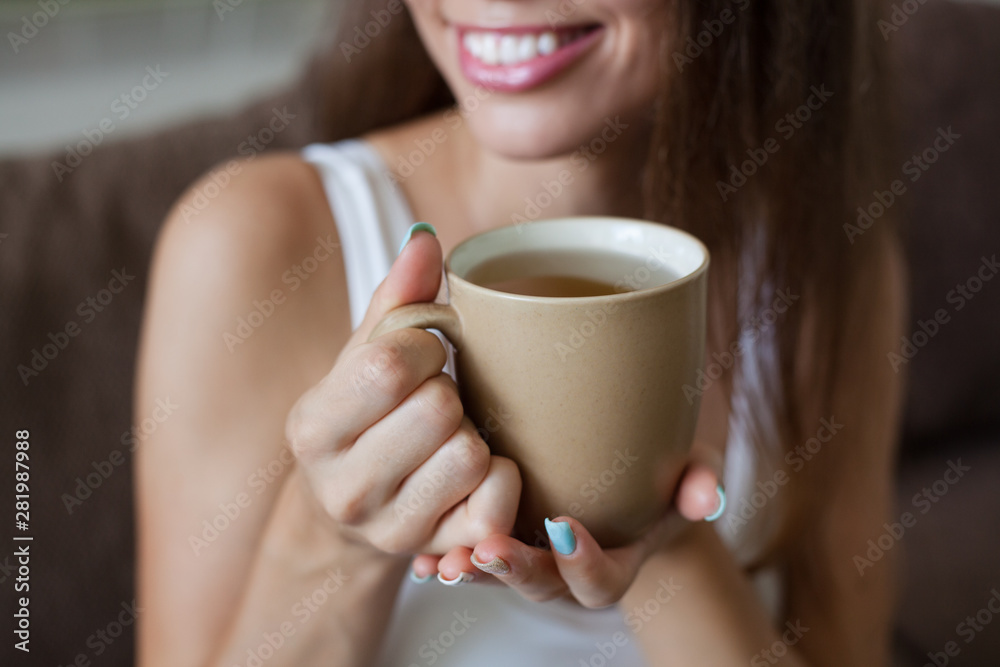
pixel 266 525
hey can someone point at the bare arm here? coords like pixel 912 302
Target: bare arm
pixel 247 545
pixel 209 479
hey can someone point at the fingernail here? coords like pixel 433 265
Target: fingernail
pixel 418 579
pixel 561 536
pixel 722 504
pixel 496 566
pixel 462 578
pixel 416 227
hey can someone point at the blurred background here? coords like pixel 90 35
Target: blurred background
pixel 63 80
pixel 164 89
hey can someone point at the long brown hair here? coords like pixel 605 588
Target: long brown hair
pixel 783 228
pixel 731 71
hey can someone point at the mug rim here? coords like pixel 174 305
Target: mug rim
pixel 640 293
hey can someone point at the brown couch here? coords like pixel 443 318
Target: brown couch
pixel 62 243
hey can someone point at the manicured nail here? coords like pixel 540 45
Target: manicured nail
pixel 416 227
pixel 561 536
pixel 418 579
pixel 496 566
pixel 462 578
pixel 722 504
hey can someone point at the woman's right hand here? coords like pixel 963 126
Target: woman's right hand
pixel 383 440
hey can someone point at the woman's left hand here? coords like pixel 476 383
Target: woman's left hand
pixel 576 565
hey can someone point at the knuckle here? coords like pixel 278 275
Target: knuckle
pixel 346 506
pixel 303 435
pixel 469 454
pixel 442 401
pixel 383 369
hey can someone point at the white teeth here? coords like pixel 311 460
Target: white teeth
pixel 491 48
pixel 527 48
pixel 473 43
pixel 510 49
pixel 547 43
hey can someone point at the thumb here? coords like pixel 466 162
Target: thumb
pixel 415 277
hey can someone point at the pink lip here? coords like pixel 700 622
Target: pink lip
pixel 526 75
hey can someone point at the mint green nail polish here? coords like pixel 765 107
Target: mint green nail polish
pixel 561 536
pixel 722 504
pixel 416 227
pixel 420 580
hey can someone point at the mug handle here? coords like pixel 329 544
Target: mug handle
pixel 422 316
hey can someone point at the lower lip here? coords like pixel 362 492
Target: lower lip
pixel 526 75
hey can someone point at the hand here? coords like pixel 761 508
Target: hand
pixel 595 577
pixel 383 441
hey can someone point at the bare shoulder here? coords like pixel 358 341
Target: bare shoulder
pixel 266 210
pixel 244 259
pixel 246 309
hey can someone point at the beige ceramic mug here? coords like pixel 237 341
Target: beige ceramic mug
pixel 584 393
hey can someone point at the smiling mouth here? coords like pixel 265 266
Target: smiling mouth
pixel 515 59
pixel 519 45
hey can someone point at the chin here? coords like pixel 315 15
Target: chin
pixel 519 131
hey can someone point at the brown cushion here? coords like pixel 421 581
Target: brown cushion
pixel 63 243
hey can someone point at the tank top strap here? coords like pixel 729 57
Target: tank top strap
pixel 371 214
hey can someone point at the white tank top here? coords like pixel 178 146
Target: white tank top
pixel 433 624
pixel 474 624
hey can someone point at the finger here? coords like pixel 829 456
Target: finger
pixel 699 495
pixel 530 571
pixel 424 568
pixel 595 577
pixel 455 569
pixel 436 493
pixel 396 445
pixel 490 509
pixel 415 277
pixel 364 386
